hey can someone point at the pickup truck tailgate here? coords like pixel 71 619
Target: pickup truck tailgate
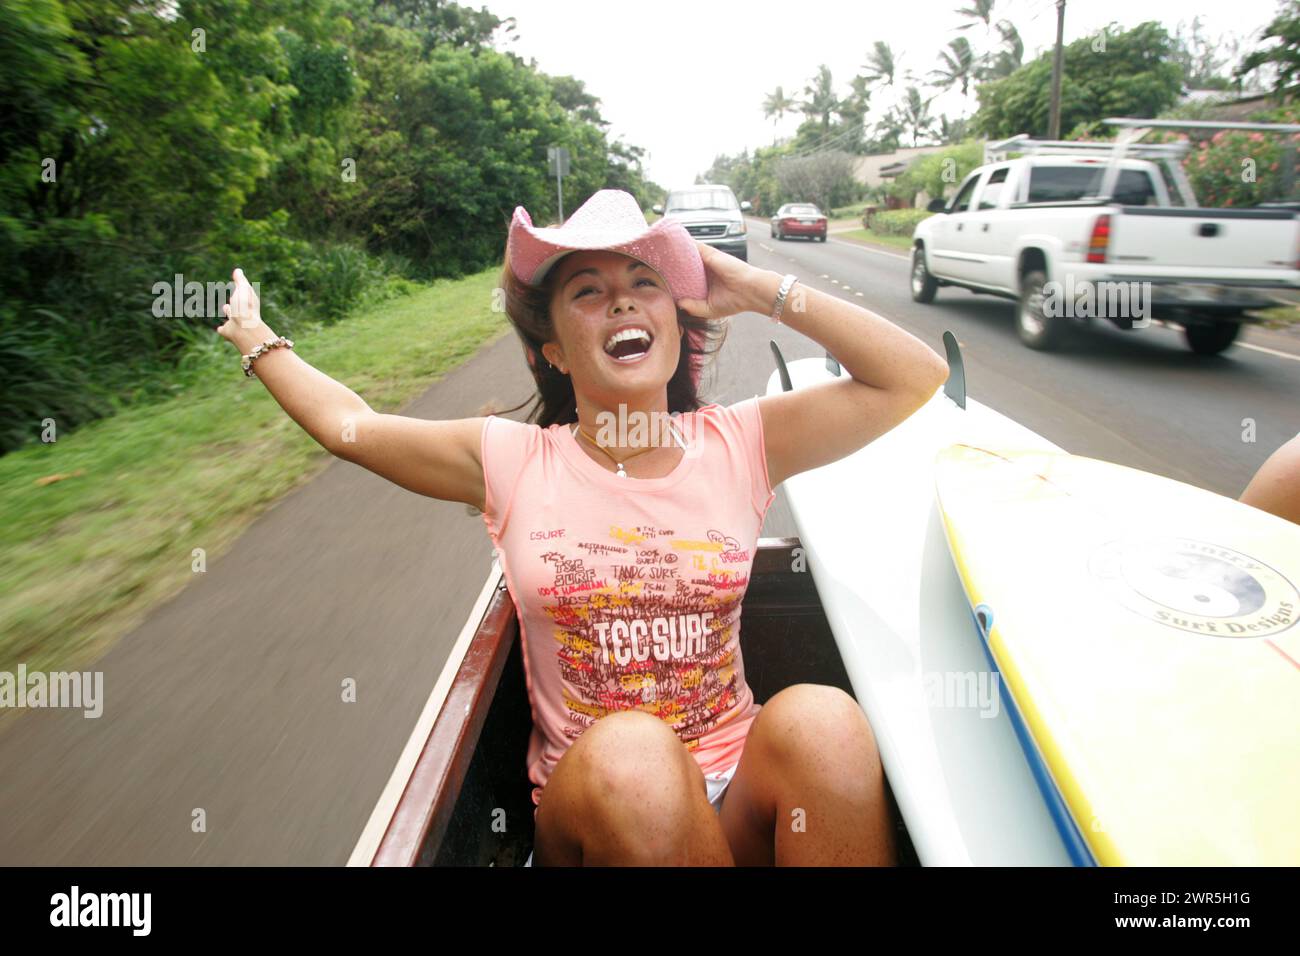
pixel 1243 244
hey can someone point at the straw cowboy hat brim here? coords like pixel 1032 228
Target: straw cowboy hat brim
pixel 610 220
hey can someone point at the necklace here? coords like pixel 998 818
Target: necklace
pixel 619 464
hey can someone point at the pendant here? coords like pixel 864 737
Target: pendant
pixel 621 472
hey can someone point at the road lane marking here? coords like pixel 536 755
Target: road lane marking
pixel 879 252
pixel 1260 348
pixel 894 255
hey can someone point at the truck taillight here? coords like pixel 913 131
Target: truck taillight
pixel 1099 239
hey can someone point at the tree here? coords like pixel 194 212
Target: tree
pixel 1202 58
pixel 1116 73
pixel 571 93
pixel 953 131
pixel 852 111
pixel 324 145
pixel 1283 56
pixel 1003 62
pixel 439 23
pixel 881 65
pixel 979 11
pixel 825 178
pixel 935 173
pixel 956 65
pixel 775 105
pixel 821 101
pixel 914 112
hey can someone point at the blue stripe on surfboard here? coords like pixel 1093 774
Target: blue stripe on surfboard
pixel 1075 845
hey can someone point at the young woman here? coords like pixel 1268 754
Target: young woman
pixel 625 516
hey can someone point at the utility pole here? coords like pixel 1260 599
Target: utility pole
pixel 558 159
pixel 1054 122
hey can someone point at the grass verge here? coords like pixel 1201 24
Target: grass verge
pixel 868 235
pixel 85 557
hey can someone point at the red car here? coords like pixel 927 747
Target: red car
pixel 799 219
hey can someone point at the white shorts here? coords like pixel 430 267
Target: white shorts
pixel 715 786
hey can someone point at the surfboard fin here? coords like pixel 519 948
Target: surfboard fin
pixel 780 366
pixel 955 387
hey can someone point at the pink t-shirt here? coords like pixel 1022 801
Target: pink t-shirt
pixel 628 590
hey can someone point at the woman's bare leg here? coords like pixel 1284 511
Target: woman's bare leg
pixel 809 790
pixel 627 792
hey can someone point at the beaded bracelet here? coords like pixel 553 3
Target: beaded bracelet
pixel 266 346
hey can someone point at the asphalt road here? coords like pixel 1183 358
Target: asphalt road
pixel 226 738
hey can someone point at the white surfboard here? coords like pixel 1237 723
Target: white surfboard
pixel 876 549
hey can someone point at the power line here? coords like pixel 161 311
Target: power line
pixel 821 147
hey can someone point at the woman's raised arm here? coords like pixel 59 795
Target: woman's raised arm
pixel 440 459
pixel 892 373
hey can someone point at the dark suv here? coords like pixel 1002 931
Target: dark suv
pixel 711 214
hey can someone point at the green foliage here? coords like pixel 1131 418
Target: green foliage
pixel 1115 73
pixel 898 222
pixel 1283 54
pixel 335 150
pixel 1236 168
pixel 934 173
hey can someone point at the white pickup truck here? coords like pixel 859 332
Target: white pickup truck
pixel 1080 231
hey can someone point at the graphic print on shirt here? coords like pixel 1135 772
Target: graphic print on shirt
pixel 642 621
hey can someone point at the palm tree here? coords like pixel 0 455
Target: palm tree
pixel 889 130
pixel 881 65
pixel 915 114
pixel 821 101
pixel 777 104
pixel 1007 60
pixel 853 109
pixel 957 65
pixel 979 11
pixel 953 131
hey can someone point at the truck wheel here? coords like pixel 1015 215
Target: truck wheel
pixel 1211 338
pixel 1036 328
pixel 924 285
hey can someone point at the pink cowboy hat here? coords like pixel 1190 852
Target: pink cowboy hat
pixel 611 220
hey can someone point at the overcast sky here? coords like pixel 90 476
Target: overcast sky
pixel 686 79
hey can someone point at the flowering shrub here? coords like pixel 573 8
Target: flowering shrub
pixel 1237 168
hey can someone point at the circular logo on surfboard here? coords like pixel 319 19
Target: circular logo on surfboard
pixel 1196 586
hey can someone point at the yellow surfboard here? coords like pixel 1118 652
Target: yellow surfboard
pixel 1145 634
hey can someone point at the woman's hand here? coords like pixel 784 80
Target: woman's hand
pixel 244 326
pixel 734 286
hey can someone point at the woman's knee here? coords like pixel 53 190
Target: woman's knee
pixel 628 755
pixel 806 719
pixel 626 791
pixel 627 774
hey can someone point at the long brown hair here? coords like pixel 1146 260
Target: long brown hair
pixel 529 310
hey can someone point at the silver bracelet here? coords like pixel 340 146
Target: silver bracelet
pixel 266 346
pixel 788 280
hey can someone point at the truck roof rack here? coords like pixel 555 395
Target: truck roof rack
pixel 1201 124
pixel 1126 145
pixel 999 151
